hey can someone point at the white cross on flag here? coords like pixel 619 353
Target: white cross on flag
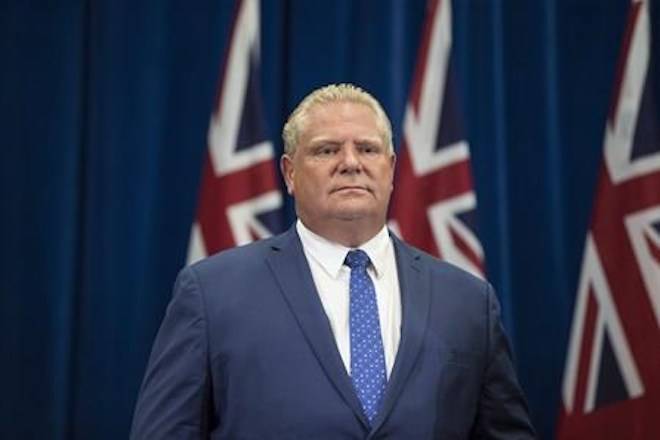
pixel 240 200
pixel 434 205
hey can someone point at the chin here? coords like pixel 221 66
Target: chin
pixel 350 216
pixel 353 214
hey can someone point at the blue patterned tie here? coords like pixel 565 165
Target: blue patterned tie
pixel 367 355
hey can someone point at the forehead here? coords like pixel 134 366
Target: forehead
pixel 341 118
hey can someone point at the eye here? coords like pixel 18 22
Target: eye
pixel 368 148
pixel 325 150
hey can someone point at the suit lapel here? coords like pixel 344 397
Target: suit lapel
pixel 290 268
pixel 415 301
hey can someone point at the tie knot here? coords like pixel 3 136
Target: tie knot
pixel 357 259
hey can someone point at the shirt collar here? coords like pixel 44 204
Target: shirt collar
pixel 331 255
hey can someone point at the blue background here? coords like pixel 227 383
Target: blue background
pixel 104 107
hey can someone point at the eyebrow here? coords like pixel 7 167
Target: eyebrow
pixel 323 141
pixel 331 141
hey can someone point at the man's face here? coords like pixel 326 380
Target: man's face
pixel 341 169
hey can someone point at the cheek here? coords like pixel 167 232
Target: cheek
pixel 310 178
pixel 307 185
pixel 387 181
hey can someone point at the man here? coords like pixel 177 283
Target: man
pixel 335 329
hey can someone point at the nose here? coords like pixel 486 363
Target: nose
pixel 350 159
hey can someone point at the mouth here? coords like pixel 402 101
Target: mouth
pixel 351 188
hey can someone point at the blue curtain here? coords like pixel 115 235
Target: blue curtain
pixel 104 107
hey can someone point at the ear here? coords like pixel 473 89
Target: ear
pixel 287 169
pixel 392 167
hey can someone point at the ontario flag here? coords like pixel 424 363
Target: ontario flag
pixel 611 386
pixel 239 200
pixel 434 204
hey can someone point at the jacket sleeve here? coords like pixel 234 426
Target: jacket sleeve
pixel 502 411
pixel 175 395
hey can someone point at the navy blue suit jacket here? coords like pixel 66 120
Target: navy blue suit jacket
pixel 246 352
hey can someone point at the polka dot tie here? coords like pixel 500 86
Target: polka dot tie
pixel 367 355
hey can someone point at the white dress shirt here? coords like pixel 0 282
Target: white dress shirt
pixel 332 278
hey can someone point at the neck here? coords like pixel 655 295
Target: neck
pixel 349 233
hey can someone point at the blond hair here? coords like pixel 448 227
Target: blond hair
pixel 334 93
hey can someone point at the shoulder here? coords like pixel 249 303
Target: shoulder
pixel 237 255
pixel 248 256
pixel 438 269
pixel 460 303
pixel 232 272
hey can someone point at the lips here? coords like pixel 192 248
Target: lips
pixel 351 188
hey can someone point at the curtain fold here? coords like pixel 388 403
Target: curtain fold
pixel 104 107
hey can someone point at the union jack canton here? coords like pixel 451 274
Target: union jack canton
pixel 240 200
pixel 611 387
pixel 434 204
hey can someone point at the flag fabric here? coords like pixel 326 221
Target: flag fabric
pixel 434 204
pixel 240 199
pixel 611 385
